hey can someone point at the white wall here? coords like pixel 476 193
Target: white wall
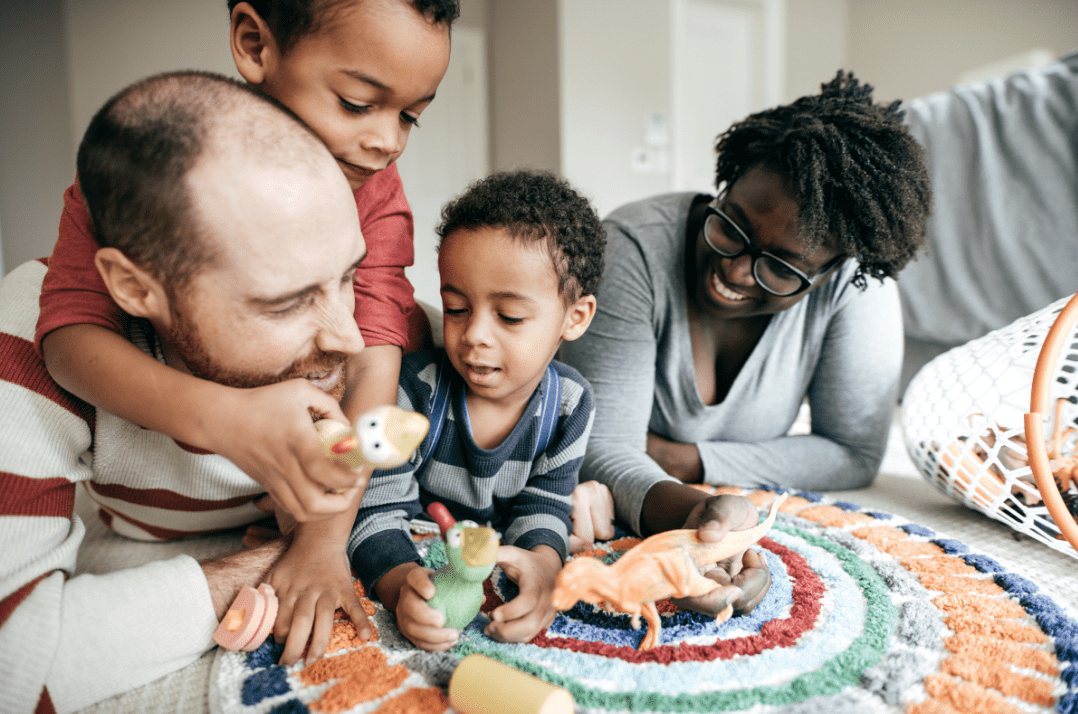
pixel 614 70
pixel 524 94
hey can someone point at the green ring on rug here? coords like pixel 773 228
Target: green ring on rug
pixel 842 671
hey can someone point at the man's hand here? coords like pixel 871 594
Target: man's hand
pixel 228 575
pixel 269 434
pixel 312 579
pixel 592 517
pixel 535 572
pixel 682 461
pixel 744 577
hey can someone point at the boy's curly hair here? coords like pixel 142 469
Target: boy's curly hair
pixel 290 20
pixel 858 176
pixel 537 206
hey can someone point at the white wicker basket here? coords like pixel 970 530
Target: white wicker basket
pixel 980 423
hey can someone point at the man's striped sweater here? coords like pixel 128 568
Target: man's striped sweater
pixel 67 642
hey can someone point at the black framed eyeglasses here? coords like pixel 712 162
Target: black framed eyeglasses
pixel 773 274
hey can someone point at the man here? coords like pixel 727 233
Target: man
pixel 231 238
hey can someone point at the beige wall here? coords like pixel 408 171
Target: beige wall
pixel 614 70
pixel 915 47
pixel 36 158
pixel 523 75
pixel 570 80
pixel 112 43
pixel 817 44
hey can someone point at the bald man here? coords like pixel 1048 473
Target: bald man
pixel 230 238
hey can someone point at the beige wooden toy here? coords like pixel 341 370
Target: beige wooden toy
pixel 383 438
pixel 481 685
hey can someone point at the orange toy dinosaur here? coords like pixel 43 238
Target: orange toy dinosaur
pixel 664 565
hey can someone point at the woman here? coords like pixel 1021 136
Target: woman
pixel 718 316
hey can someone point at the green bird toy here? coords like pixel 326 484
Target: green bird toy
pixel 472 551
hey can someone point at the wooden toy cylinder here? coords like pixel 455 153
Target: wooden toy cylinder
pixel 481 685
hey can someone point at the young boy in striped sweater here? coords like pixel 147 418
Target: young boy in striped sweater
pixel 521 258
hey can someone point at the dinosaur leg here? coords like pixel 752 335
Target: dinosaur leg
pixel 655 626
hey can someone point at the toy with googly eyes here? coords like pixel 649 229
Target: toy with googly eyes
pixel 383 438
pixel 472 551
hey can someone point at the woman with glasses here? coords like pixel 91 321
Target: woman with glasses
pixel 719 315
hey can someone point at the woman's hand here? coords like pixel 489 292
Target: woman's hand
pixel 682 461
pixel 744 577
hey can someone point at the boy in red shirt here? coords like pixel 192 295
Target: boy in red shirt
pixel 359 74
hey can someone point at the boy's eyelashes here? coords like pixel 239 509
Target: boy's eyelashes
pixel 507 319
pixel 355 108
pixel 362 109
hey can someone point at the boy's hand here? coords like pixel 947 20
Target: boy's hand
pixel 417 620
pixel 269 434
pixel 744 576
pixel 535 573
pixel 592 517
pixel 312 579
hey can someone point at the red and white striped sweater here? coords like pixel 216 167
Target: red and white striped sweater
pixel 67 642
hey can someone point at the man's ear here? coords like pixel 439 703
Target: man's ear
pixel 136 291
pixel 254 48
pixel 580 314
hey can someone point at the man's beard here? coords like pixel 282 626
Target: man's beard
pixel 185 338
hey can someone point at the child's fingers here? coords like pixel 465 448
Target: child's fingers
pixel 522 628
pixel 321 471
pixel 321 404
pixel 518 607
pixel 354 609
pixel 286 604
pixel 433 639
pixel 298 634
pixel 418 580
pixel 323 628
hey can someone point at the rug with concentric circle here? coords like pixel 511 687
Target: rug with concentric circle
pixel 868 612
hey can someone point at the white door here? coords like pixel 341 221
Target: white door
pixel 727 63
pixel 446 152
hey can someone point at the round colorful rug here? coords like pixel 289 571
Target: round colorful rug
pixel 867 613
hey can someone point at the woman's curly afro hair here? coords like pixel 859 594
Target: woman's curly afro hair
pixel 858 176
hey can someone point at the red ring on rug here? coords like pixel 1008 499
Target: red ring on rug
pixel 808 590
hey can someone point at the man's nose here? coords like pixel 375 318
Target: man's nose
pixel 339 332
